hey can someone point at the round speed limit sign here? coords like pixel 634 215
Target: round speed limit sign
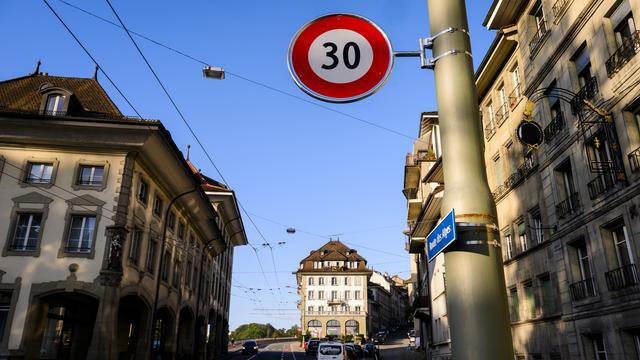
pixel 340 58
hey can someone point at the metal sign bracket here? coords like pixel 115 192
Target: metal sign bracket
pixel 427 44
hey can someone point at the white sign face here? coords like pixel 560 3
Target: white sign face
pixel 340 56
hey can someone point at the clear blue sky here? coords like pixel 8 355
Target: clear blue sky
pixel 288 160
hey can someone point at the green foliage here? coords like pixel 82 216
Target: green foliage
pixel 259 331
pixel 347 338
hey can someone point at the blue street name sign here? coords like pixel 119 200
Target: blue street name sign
pixel 441 236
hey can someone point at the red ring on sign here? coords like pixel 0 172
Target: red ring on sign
pixel 375 76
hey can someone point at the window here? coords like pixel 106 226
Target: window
pixel 503 110
pixel 583 260
pixel 310 295
pixel 547 296
pixel 357 295
pixel 309 308
pixel 538 16
pixel 320 295
pixel 143 191
pixel 334 281
pixel 321 281
pixel 166 266
pixel 334 295
pixel 187 275
pixel 311 281
pixel 583 285
pixel 320 308
pixel 39 173
pixel 515 80
pixel 514 308
pixel 81 232
pixel 55 105
pixel 176 274
pixel 157 206
pixel 27 232
pixel 134 248
pixel 599 350
pixel 357 308
pixel 620 238
pixel 358 281
pixel 530 305
pixel 624 26
pixel 522 236
pixel 347 295
pixel 90 175
pixel 181 228
pixel 151 257
pixel 509 246
pixel 171 220
pixel 582 63
pixel 195 278
pixel 347 280
pixel 5 306
pixel 536 226
pixel 490 124
pixel 567 194
pixel 497 170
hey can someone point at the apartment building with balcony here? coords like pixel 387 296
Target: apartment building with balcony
pixel 568 211
pixel 333 287
pixel 85 192
pixel 388 302
pixel 424 188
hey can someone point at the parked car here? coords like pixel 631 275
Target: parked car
pixel 380 338
pixel 312 347
pixel 249 347
pixel 358 350
pixel 350 351
pixel 331 351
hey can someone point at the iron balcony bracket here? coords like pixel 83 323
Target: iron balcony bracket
pixel 427 44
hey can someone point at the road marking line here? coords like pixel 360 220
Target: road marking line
pixel 292 353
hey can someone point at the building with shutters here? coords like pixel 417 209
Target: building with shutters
pixel 85 193
pixel 568 211
pixel 333 287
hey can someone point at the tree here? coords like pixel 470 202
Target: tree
pixel 293 331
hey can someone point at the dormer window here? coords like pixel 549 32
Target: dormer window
pixel 55 105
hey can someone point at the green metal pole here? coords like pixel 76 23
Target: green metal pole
pixel 476 295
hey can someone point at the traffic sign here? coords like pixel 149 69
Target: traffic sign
pixel 340 58
pixel 442 235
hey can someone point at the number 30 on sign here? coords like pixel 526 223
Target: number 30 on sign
pixel 340 58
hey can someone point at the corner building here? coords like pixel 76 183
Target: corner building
pixel 332 283
pixel 568 211
pixel 84 191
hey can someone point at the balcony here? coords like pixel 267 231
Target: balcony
pixel 332 313
pixel 336 301
pixel 416 245
pixel 582 289
pixel 499 191
pixel 629 48
pixel 538 38
pixel 559 7
pixel 489 131
pixel 521 173
pixel 515 96
pixel 634 160
pixel 587 92
pixel 600 185
pixel 502 114
pixel 569 206
pixel 555 126
pixel 621 277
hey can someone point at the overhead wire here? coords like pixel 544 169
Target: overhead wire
pixel 193 134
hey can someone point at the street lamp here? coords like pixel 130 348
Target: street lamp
pixel 213 72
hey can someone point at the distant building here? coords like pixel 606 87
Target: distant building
pixel 85 192
pixel 388 303
pixel 332 283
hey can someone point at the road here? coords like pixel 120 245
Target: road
pixel 396 348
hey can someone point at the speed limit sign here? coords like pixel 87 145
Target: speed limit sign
pixel 340 58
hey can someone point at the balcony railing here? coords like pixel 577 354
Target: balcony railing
pixel 499 191
pixel 316 313
pixel 629 48
pixel 502 114
pixel 554 127
pixel 489 130
pixel 515 96
pixel 600 185
pixel 587 92
pixel 516 177
pixel 568 206
pixel 582 289
pixel 621 277
pixel 558 7
pixel 538 37
pixel 634 160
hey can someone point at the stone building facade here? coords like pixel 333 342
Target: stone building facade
pixel 85 192
pixel 567 211
pixel 332 283
pixel 387 303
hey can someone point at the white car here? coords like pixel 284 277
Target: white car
pixel 331 351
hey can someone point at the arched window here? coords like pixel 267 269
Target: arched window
pixel 352 327
pixel 55 100
pixel 314 323
pixel 333 327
